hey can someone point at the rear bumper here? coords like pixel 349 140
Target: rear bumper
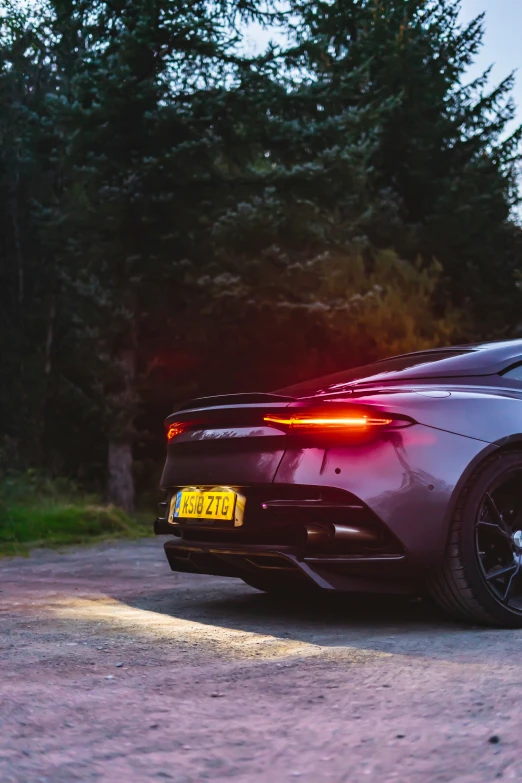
pixel 376 573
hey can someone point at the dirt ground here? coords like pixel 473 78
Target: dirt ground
pixel 115 669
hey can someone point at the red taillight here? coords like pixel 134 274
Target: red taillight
pixel 176 428
pixel 357 422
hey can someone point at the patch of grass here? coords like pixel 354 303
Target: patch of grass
pixel 36 512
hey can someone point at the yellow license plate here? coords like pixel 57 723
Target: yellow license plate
pixel 213 504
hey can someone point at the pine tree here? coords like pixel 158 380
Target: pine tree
pixel 28 275
pixel 140 162
pixel 440 144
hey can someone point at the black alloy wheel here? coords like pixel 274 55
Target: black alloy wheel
pixel 498 531
pixel 480 579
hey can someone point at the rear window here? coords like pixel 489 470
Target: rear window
pixel 371 372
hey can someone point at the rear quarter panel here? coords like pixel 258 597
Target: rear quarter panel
pixel 493 416
pixel 411 479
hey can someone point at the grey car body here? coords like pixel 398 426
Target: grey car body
pixel 395 491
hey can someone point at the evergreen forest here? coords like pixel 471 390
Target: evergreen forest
pixel 181 216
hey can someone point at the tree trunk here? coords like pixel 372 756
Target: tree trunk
pixel 120 477
pixel 121 480
pixel 17 240
pixel 50 337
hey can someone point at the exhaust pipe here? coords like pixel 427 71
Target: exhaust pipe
pixel 316 535
pixel 345 533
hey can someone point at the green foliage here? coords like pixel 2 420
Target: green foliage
pixel 304 318
pixel 35 486
pixel 36 510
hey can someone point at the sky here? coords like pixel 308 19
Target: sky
pixel 502 41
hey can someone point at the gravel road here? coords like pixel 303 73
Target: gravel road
pixel 115 669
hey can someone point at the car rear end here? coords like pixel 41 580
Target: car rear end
pixel 344 495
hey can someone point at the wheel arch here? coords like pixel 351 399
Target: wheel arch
pixel 507 444
pixel 458 583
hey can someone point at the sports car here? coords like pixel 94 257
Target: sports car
pixel 402 476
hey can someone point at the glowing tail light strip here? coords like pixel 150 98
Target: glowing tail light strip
pixel 356 422
pixel 338 422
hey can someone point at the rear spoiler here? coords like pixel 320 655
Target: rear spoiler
pixel 254 398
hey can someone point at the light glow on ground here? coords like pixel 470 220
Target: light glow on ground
pixel 226 641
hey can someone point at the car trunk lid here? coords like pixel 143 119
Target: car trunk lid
pixel 223 440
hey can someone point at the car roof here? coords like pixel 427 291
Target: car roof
pixel 452 362
pixel 474 356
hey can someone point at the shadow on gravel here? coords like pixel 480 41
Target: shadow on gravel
pixel 251 611
pixel 380 623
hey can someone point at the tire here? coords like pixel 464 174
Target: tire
pixel 469 584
